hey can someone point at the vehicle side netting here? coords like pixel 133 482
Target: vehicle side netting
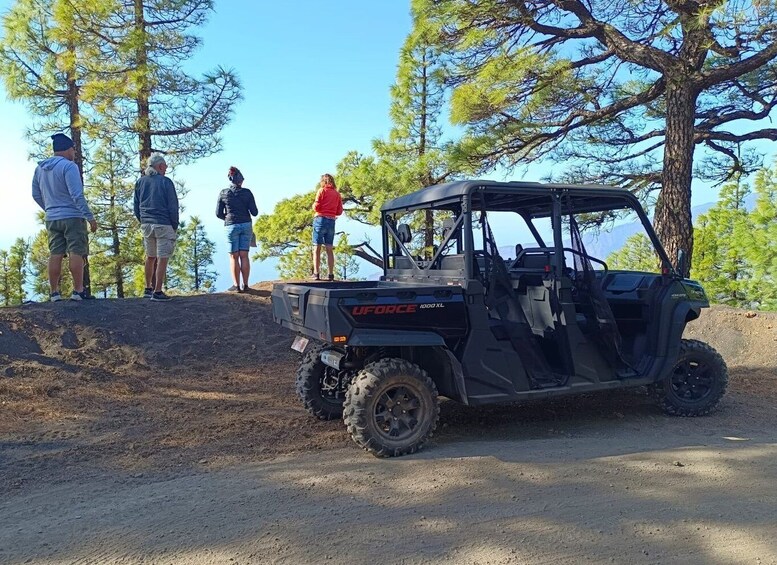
pixel 502 300
pixel 588 285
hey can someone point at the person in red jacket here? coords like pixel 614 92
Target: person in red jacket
pixel 327 207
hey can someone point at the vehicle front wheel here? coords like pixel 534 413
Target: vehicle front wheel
pixel 391 408
pixel 696 382
pixel 320 387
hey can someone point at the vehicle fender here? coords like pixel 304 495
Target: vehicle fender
pixel 458 376
pixel 398 338
pixel 683 313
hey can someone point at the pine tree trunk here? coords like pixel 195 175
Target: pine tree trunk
pixel 143 97
pixel 118 272
pixel 6 281
pixel 673 222
pixel 75 122
pixel 20 281
pixel 196 261
pixel 423 130
pixel 75 132
pixel 143 94
pixel 429 234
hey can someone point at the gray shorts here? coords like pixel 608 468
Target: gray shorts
pixel 158 240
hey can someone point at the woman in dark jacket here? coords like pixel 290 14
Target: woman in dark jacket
pixel 236 205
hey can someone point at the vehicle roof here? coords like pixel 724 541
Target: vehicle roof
pixel 457 190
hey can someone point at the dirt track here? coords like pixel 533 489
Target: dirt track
pixel 118 448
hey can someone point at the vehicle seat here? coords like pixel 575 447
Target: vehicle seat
pixel 404 233
pixel 536 305
pixel 452 263
pixel 447 227
pixel 536 261
pixel 402 262
pixel 498 329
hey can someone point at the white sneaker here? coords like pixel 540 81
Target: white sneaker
pixel 55 297
pixel 77 296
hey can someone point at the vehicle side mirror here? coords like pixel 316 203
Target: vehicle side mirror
pixel 682 259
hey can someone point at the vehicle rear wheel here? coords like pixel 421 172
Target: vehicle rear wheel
pixel 320 387
pixel 696 382
pixel 391 408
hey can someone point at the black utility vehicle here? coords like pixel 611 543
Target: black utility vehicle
pixel 457 319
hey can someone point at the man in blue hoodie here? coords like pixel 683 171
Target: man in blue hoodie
pixel 58 190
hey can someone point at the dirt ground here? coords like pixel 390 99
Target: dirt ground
pixel 133 431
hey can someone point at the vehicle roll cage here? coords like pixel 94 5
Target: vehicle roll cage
pixel 528 200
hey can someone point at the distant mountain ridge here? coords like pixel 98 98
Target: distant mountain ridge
pixel 605 242
pixel 602 244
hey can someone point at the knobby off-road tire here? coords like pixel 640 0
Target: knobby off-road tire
pixel 309 379
pixel 696 382
pixel 391 408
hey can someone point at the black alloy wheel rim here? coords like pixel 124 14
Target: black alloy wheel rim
pixel 398 412
pixel 691 380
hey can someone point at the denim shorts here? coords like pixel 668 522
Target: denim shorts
pixel 323 231
pixel 239 237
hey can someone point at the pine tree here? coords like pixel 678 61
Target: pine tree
pixel 14 268
pixel 45 62
pixel 18 263
pixel 346 266
pixel 762 243
pixel 192 263
pixel 110 72
pixel 637 254
pixel 287 235
pixel 6 282
pixel 148 94
pixel 722 236
pixel 619 92
pixel 39 262
pixel 115 254
pixel 297 263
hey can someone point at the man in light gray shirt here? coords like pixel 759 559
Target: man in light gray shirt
pixel 58 190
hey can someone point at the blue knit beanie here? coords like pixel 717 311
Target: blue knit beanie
pixel 61 142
